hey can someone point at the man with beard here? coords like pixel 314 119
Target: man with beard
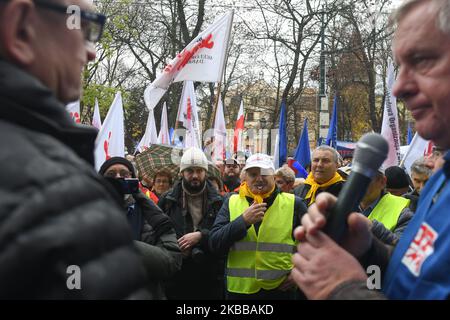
pixel 231 172
pixel 192 205
pixel 255 228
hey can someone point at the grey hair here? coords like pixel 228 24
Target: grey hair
pixel 420 167
pixel 442 9
pixel 286 173
pixel 336 156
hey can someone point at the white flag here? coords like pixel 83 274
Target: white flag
pixel 419 147
pixel 390 129
pixel 220 134
pixel 150 136
pixel 276 154
pixel 202 60
pixel 74 110
pixel 96 120
pixel 188 115
pixel 238 129
pixel 110 140
pixel 163 137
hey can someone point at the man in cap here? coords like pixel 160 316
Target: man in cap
pixel 397 181
pixel 152 230
pixel 230 178
pixel 192 204
pixel 255 228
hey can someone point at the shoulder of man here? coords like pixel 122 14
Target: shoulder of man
pixel 63 204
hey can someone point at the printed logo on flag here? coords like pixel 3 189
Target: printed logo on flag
pixel 75 116
pixel 420 249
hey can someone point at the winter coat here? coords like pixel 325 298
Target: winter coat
pixel 157 244
pixel 58 218
pixel 201 274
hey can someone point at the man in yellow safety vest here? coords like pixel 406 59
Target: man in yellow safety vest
pixel 255 228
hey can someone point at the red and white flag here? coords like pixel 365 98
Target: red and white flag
pixel 188 115
pixel 419 147
pixel 151 135
pixel 74 110
pixel 163 137
pixel 110 140
pixel 202 60
pixel 238 129
pixel 96 120
pixel 220 135
pixel 390 129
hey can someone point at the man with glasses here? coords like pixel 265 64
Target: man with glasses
pixel 56 214
pixel 152 230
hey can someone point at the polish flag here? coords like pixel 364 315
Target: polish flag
pixel 239 128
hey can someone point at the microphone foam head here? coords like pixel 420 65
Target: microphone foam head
pixel 371 151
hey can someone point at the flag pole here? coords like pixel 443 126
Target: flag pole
pixel 222 72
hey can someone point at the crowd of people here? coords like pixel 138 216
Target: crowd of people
pixel 254 233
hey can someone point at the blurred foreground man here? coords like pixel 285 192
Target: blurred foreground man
pixel 58 218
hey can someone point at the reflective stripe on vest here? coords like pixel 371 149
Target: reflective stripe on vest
pixel 388 210
pixel 262 260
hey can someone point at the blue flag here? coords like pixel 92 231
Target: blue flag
pixel 332 131
pixel 282 134
pixel 303 153
pixel 410 135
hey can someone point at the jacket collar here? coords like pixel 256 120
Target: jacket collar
pixel 26 102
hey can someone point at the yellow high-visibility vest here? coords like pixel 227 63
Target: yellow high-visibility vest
pixel 262 260
pixel 388 209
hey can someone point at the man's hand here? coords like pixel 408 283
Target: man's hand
pixel 189 240
pixel 320 265
pixel 358 238
pixel 254 213
pixel 287 284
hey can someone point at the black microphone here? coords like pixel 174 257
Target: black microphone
pixel 370 153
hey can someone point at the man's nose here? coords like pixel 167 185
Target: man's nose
pixel 405 85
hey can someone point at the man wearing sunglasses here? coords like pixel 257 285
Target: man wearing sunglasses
pixel 62 234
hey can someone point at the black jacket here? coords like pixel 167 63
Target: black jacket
pixel 302 190
pixel 201 275
pixel 172 204
pixel 55 211
pixel 157 244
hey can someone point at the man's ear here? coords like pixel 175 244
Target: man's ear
pixel 17 32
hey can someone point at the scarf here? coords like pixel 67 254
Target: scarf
pixel 315 186
pixel 244 191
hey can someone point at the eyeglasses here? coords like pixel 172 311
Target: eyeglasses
pixel 94 22
pixel 121 173
pixel 161 181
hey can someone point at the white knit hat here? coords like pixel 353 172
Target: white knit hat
pixel 193 157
